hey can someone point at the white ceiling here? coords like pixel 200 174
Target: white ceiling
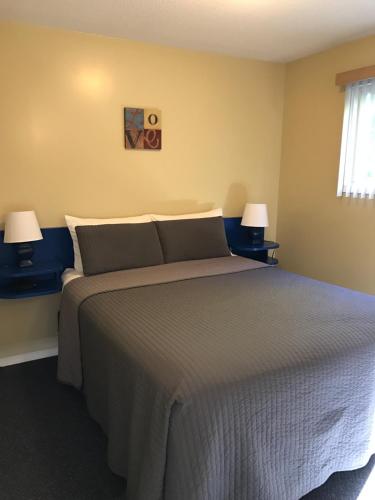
pixel 275 30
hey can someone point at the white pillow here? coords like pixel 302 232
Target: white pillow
pixel 216 212
pixel 72 222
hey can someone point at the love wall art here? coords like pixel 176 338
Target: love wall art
pixel 142 128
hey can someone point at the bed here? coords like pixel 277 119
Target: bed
pixel 222 378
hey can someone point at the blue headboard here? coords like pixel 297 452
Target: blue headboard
pixel 57 244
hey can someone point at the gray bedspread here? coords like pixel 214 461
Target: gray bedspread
pixel 244 383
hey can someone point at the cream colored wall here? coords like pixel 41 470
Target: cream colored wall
pixel 62 149
pixel 322 236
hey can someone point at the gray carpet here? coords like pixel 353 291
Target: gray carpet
pixel 50 449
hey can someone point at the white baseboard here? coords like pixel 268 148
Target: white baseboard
pixel 29 351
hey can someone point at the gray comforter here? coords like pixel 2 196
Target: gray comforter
pixel 223 379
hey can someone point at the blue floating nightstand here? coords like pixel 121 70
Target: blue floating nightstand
pixel 256 252
pixel 43 278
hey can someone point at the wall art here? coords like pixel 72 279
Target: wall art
pixel 142 128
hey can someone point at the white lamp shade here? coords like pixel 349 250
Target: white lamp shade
pixel 21 227
pixel 255 215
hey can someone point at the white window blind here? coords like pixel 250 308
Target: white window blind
pixel 357 160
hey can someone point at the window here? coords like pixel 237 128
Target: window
pixel 357 160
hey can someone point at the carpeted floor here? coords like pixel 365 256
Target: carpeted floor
pixel 51 449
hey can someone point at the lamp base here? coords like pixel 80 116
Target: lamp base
pixel 24 255
pixel 256 235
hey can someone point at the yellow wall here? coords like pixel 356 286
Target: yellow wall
pixel 62 149
pixel 322 236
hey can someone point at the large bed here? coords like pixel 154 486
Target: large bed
pixel 222 378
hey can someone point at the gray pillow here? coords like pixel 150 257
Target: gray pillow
pixel 190 239
pixel 112 247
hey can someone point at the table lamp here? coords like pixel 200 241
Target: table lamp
pixel 255 217
pixel 22 228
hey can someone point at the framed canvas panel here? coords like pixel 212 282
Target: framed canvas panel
pixel 142 128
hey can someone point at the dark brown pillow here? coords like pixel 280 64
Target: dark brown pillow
pixel 191 239
pixel 112 247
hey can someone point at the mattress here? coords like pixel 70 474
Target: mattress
pixel 222 379
pixel 70 274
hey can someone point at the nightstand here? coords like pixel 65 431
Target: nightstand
pixel 42 278
pixel 256 252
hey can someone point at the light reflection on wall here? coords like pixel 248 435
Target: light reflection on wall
pixel 37 130
pixel 93 82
